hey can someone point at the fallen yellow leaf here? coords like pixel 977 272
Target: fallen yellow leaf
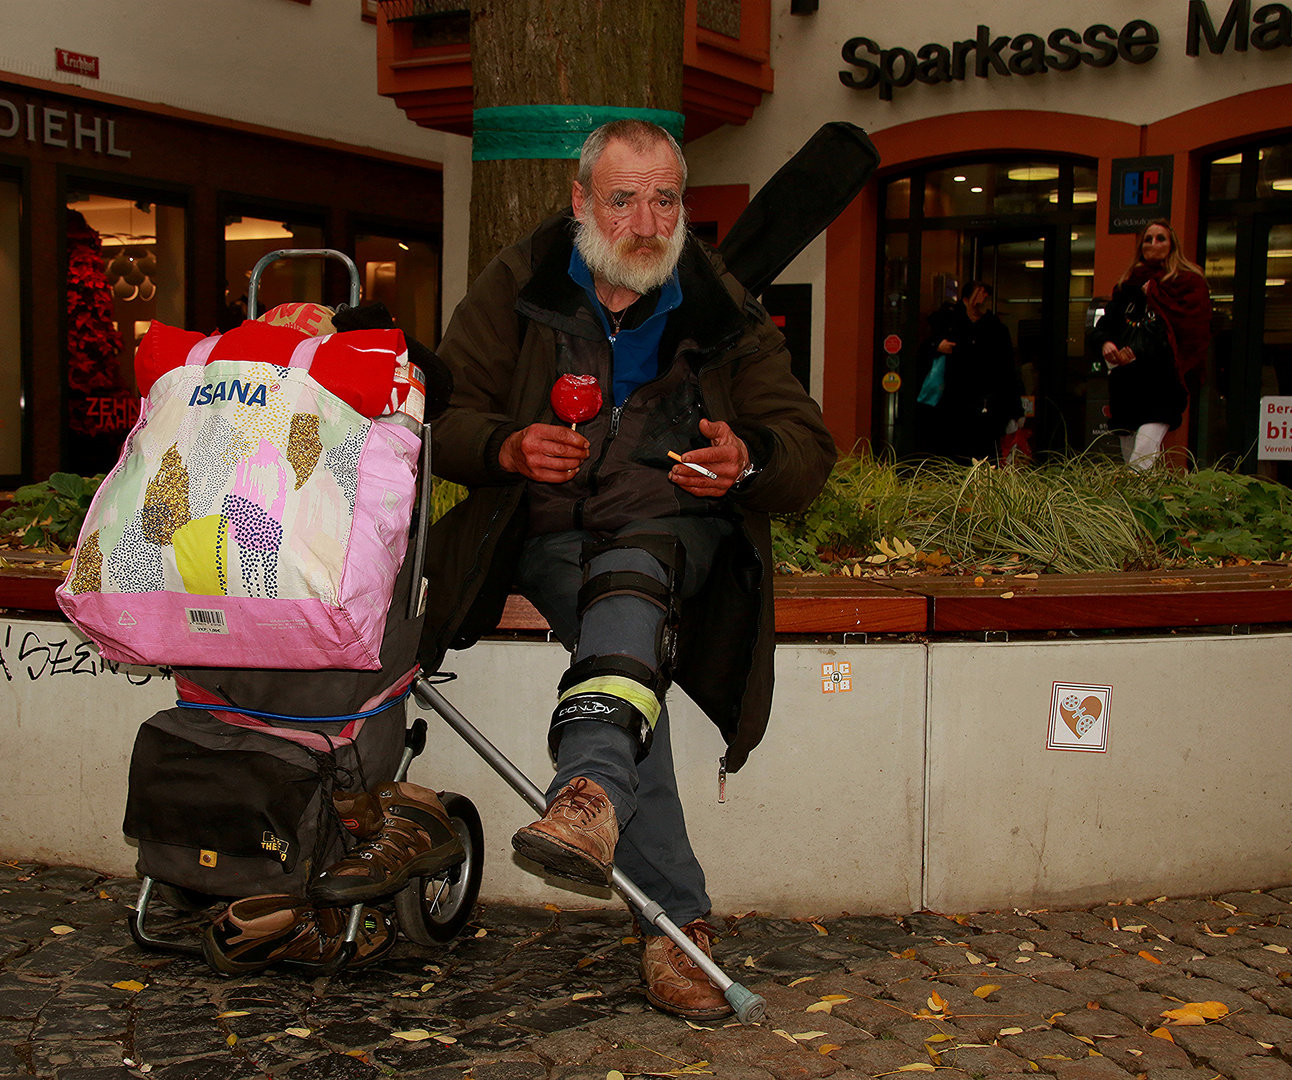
pixel 550 907
pixel 136 986
pixel 299 1032
pixel 614 1074
pixel 985 989
pixel 481 932
pixel 232 1040
pixel 61 930
pixel 585 995
pixel 936 1002
pixel 411 1035
pixel 1162 1033
pixel 807 1036
pixel 1010 1031
pixel 749 961
pixel 447 1040
pixel 1197 1012
pixel 941 1036
pixel 1149 956
pixel 973 958
pixel 820 929
pixel 1007 595
pixel 917 1066
pixel 802 979
pixel 826 1048
pixel 1276 948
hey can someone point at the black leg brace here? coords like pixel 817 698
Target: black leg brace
pixel 616 689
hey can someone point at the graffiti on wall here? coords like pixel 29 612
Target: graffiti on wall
pixel 35 653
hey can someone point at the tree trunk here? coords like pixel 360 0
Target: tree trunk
pixel 561 52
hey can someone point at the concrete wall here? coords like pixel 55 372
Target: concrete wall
pixel 927 784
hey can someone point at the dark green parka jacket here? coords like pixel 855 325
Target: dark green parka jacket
pixel 501 347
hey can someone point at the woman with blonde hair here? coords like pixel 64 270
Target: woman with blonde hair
pixel 1156 330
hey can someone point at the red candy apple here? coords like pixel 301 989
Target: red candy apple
pixel 576 398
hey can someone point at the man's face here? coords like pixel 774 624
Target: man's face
pixel 631 212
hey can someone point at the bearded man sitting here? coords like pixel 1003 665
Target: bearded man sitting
pixel 647 568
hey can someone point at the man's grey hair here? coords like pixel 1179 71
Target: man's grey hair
pixel 641 135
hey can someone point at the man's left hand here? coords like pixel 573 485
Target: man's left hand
pixel 728 457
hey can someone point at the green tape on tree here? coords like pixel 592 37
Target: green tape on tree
pixel 510 132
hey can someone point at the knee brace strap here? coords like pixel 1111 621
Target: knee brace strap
pixel 612 689
pixel 664 548
pixel 623 583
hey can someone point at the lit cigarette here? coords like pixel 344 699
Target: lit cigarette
pixel 692 465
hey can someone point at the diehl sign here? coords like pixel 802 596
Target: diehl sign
pixel 1099 46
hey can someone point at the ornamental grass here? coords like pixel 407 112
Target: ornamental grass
pixel 1080 514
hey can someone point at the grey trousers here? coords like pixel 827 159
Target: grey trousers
pixel 653 849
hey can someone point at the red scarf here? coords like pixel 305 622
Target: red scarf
pixel 1184 303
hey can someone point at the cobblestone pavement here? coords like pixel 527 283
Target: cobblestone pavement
pixel 538 993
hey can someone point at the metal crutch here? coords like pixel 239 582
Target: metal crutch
pixel 748 1006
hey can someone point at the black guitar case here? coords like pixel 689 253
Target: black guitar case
pixel 807 193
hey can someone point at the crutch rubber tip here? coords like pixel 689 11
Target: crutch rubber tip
pixel 749 1007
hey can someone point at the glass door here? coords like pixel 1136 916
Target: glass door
pixel 12 409
pixel 1017 265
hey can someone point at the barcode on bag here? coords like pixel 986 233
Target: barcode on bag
pixel 206 621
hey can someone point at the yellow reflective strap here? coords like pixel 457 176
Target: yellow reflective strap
pixel 629 690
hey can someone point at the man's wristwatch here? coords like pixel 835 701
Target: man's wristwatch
pixel 750 470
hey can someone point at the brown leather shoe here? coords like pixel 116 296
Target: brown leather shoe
pixel 675 984
pixel 576 838
pixel 403 833
pixel 256 932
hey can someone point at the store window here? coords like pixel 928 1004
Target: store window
pixel 11 382
pixel 125 267
pixel 1247 258
pixel 1026 228
pixel 248 237
pixel 404 274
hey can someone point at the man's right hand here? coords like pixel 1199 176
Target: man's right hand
pixel 547 453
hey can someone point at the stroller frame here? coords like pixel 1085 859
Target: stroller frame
pixel 435 910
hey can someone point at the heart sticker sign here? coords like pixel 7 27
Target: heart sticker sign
pixel 1079 717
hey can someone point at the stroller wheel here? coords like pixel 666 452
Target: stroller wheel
pixel 433 910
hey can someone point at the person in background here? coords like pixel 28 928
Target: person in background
pixel 1155 330
pixel 981 393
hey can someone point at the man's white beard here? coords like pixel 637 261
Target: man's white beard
pixel 622 265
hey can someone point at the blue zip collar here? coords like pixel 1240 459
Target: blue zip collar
pixel 635 352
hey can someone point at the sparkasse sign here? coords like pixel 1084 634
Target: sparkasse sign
pixel 1063 49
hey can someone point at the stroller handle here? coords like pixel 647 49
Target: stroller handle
pixel 300 253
